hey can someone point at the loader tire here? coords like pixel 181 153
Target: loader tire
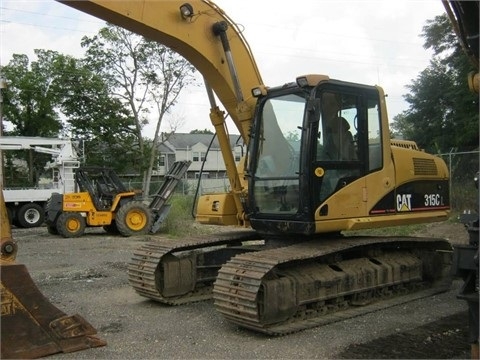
pixel 71 224
pixel 111 229
pixel 52 230
pixel 133 218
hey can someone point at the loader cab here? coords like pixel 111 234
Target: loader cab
pixel 102 184
pixel 308 144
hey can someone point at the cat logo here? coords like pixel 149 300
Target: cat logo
pixel 404 202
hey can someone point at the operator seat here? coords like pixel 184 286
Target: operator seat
pixel 339 146
pixel 343 139
pixel 104 197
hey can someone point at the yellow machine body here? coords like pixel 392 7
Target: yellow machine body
pixel 82 202
pixel 192 37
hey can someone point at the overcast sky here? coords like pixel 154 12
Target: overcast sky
pixel 363 41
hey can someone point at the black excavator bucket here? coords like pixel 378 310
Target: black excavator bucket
pixel 31 327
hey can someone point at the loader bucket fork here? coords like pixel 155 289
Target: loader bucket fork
pixel 32 327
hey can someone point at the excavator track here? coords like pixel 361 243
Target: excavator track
pixel 175 272
pixel 288 289
pixel 276 289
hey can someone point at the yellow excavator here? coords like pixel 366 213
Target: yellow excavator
pixel 320 161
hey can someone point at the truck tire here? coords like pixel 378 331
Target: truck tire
pixel 71 224
pixel 133 218
pixel 30 215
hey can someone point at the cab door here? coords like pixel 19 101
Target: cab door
pixel 346 148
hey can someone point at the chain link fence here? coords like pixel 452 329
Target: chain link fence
pixel 462 168
pixel 186 186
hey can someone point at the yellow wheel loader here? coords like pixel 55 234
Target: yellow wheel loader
pixel 104 201
pixel 31 326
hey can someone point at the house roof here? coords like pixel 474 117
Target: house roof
pixel 179 141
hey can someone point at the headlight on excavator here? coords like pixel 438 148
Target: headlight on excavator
pixel 259 91
pixel 186 11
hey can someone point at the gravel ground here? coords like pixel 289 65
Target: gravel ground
pixel 88 276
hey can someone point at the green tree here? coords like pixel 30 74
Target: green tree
pixel 204 131
pixel 145 77
pixel 56 87
pixel 34 93
pixel 442 113
pixel 31 102
pixel 99 120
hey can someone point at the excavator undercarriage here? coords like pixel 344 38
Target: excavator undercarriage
pixel 276 289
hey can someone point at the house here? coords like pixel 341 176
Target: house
pixel 194 147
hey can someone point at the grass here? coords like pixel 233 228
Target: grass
pixel 179 219
pixel 180 222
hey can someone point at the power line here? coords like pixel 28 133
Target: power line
pixel 12 20
pixel 47 26
pixel 380 60
pixel 93 20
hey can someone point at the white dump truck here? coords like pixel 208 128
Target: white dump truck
pixel 25 206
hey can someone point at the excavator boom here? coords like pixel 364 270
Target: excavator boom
pixel 465 22
pixel 198 31
pixel 464 18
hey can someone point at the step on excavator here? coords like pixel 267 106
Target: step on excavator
pixel 31 326
pixel 320 161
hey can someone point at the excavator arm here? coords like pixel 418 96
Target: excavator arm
pixel 203 34
pixel 197 31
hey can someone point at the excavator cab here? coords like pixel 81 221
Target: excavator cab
pixel 31 326
pixel 317 146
